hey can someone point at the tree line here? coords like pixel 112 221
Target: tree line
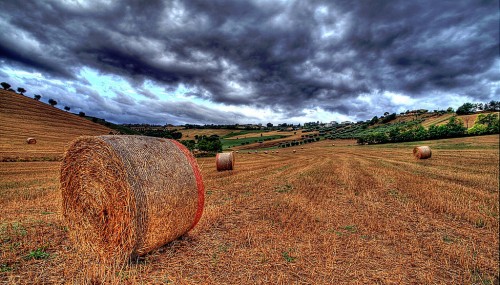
pixel 484 124
pixel 37 97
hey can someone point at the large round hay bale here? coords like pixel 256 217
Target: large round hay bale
pixel 224 161
pixel 124 196
pixel 31 141
pixel 422 152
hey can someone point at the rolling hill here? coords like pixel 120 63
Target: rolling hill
pixel 22 117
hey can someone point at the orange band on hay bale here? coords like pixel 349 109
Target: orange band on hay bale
pixel 224 161
pixel 199 182
pixel 422 152
pixel 128 195
pixel 31 141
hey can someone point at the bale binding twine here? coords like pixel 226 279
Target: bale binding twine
pixel 31 141
pixel 224 161
pixel 422 152
pixel 124 196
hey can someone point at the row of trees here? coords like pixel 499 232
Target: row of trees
pixel 37 97
pixel 168 134
pixel 484 124
pixel 6 86
pixel 471 108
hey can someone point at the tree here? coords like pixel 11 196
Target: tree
pixel 211 143
pixel 81 114
pixel 492 106
pixel 269 125
pixel 67 108
pixel 5 85
pixel 37 97
pixel 52 102
pixel 455 128
pixel 466 109
pixel 374 120
pixel 450 110
pixel 389 118
pixel 21 90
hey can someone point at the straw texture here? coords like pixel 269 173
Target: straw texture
pixel 224 161
pixel 31 141
pixel 422 152
pixel 125 196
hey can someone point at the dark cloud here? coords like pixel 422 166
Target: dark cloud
pixel 289 55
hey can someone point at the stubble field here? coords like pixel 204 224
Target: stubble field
pixel 342 214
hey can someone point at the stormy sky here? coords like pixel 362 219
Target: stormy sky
pixel 248 61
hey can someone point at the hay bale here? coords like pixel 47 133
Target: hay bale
pixel 265 152
pixel 31 141
pixel 294 151
pixel 422 152
pixel 224 161
pixel 124 196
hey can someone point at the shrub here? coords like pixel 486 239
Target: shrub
pixel 21 90
pixel 52 102
pixel 5 85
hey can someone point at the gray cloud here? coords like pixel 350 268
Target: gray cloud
pixel 285 54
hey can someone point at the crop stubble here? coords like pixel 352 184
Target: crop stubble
pixel 324 215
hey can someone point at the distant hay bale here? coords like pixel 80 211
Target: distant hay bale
pixel 277 152
pixel 224 161
pixel 265 152
pixel 124 196
pixel 294 151
pixel 422 152
pixel 31 141
pixel 237 152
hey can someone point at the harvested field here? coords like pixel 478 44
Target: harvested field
pixel 340 214
pixel 22 117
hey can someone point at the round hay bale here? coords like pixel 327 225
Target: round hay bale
pixel 31 141
pixel 265 152
pixel 237 152
pixel 224 161
pixel 422 152
pixel 124 196
pixel 294 151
